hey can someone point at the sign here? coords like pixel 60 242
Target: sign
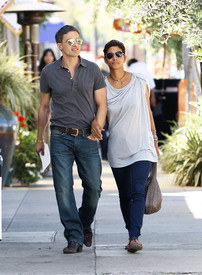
pixel 4 4
pixel 85 47
pixel 10 20
pixel 120 24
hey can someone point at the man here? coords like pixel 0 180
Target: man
pixel 78 94
pixel 135 66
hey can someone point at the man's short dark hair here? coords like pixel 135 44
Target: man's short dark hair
pixel 131 61
pixel 65 29
pixel 114 43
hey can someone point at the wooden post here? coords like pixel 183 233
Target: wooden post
pixel 34 44
pixel 1 164
pixel 201 74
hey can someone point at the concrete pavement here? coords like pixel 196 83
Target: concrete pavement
pixel 33 239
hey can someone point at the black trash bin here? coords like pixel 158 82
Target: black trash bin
pixel 166 110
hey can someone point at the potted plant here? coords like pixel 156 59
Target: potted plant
pixel 16 94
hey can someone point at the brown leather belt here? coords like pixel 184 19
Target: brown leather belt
pixel 71 131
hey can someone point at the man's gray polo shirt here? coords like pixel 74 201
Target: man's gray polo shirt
pixel 72 99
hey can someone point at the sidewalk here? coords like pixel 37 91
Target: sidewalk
pixel 33 239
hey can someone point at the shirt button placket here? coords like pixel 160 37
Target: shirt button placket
pixel 69 73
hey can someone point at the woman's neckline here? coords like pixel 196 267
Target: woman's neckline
pixel 118 89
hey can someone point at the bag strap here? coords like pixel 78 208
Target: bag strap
pixel 153 171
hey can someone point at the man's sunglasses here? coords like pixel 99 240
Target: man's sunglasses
pixel 72 41
pixel 111 54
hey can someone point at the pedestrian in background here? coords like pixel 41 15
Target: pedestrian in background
pixel 78 93
pixel 47 58
pixel 133 144
pixel 135 66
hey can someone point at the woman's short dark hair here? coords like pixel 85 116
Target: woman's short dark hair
pixel 114 43
pixel 65 29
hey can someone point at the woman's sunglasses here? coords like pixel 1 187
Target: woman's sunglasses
pixel 72 41
pixel 111 54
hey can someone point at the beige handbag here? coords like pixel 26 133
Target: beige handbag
pixel 153 196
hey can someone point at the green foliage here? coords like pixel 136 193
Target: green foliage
pixel 182 150
pixel 171 149
pixel 16 84
pixel 163 18
pixel 174 43
pixel 189 164
pixel 26 162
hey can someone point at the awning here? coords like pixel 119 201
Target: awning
pixel 49 28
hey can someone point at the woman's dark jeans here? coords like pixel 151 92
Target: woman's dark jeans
pixel 131 181
pixel 65 149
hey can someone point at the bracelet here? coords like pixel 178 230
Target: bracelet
pixel 40 140
pixel 155 137
pixel 153 131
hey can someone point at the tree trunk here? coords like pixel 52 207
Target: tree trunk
pixel 189 79
pixel 201 75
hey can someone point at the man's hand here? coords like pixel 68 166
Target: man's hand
pixel 39 147
pixel 96 130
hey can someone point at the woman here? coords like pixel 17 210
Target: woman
pixel 133 144
pixel 47 58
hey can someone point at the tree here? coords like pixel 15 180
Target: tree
pixel 162 19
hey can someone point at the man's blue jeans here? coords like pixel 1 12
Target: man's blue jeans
pixel 131 181
pixel 64 150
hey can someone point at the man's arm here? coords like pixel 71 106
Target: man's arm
pixel 99 122
pixel 43 116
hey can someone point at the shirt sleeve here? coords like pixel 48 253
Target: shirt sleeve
pixel 99 82
pixel 144 82
pixel 44 86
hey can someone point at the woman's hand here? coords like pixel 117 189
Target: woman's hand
pixel 91 137
pixel 156 147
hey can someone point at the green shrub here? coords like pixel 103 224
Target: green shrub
pixel 17 85
pixel 26 162
pixel 182 150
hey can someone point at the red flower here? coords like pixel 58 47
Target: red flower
pixel 21 118
pixel 16 113
pixel 23 124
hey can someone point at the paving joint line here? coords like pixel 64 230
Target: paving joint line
pixel 25 195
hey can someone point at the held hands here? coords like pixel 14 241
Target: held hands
pixel 96 131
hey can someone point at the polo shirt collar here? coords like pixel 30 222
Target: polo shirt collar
pixel 82 61
pixel 59 62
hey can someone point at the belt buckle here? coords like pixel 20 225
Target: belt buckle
pixel 77 132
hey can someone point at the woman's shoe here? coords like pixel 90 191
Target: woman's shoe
pixel 133 246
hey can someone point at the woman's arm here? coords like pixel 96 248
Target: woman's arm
pixel 153 128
